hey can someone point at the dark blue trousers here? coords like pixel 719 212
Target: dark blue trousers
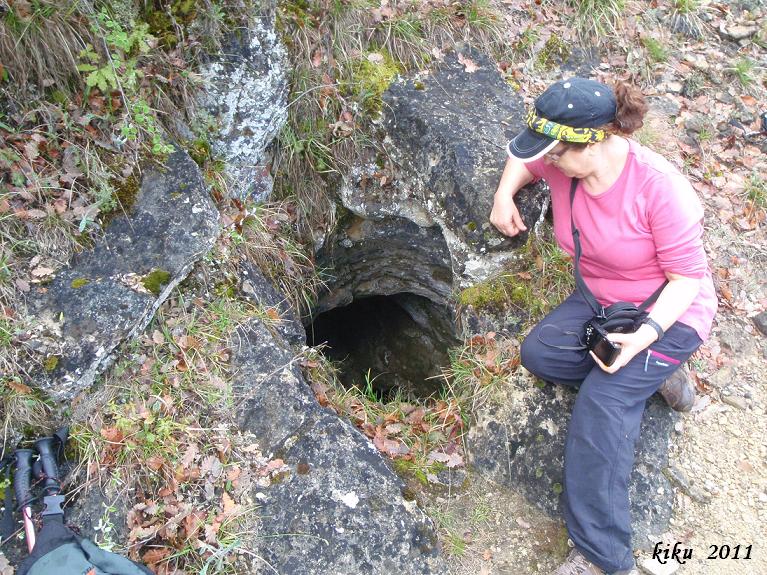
pixel 604 428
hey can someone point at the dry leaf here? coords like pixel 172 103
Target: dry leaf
pixel 18 387
pixel 469 65
pixel 230 507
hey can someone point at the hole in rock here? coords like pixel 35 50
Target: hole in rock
pixel 397 343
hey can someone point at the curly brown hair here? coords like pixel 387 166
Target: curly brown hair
pixel 629 117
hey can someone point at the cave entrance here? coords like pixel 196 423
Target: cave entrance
pixel 398 343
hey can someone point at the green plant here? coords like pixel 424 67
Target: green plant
pixel 598 20
pixel 756 191
pixel 687 6
pixel 119 70
pixel 655 49
pixel 743 70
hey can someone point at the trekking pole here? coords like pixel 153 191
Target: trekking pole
pixel 48 471
pixel 22 484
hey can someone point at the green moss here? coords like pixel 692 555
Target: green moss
pixel 539 473
pixel 199 150
pixel 370 78
pixel 471 226
pixel 51 363
pixel 59 97
pixel 553 53
pixel 226 289
pixel 127 191
pixel 539 438
pixel 418 85
pixel 155 280
pixel 163 22
pixel 501 291
pixel 557 488
pixel 79 282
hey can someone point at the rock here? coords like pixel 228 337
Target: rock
pixel 254 285
pixel 385 256
pixel 340 508
pixel 664 105
pixel 737 31
pixel 735 401
pixel 448 133
pixel 655 567
pixel 760 321
pixel 519 442
pixel 246 92
pixel 111 292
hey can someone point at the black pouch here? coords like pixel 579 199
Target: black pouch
pixel 620 317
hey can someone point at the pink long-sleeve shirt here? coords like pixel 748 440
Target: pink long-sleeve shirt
pixel 650 221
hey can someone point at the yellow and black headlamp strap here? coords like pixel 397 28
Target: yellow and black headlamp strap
pixel 562 132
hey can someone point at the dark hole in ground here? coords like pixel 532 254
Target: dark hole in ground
pixel 397 342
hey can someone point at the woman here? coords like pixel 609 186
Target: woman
pixel 640 225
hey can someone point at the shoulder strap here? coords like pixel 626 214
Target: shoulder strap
pixel 584 290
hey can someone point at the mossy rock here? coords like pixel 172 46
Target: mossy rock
pixel 125 195
pixel 156 280
pixel 372 73
pixel 163 19
pixel 553 53
pixel 199 151
pixel 77 283
pixel 51 363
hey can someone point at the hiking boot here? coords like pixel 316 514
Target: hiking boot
pixel 577 564
pixel 678 391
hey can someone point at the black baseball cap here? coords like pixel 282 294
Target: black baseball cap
pixel 567 111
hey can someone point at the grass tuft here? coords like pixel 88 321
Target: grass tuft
pixel 598 20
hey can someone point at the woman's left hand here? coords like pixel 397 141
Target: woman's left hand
pixel 631 344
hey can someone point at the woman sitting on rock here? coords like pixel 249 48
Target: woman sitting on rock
pixel 640 225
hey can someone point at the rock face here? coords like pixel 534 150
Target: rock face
pixel 520 442
pixel 246 92
pixel 448 133
pixel 340 508
pixel 254 285
pixel 111 292
pixel 384 257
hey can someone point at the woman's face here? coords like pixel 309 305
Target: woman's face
pixel 572 161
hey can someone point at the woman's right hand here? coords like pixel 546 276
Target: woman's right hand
pixel 505 215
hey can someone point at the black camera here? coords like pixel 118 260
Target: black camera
pixel 596 341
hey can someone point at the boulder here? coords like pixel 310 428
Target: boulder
pixel 448 132
pixel 109 293
pixel 340 508
pixel 519 442
pixel 246 92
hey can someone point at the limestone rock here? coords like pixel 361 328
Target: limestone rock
pixel 384 257
pixel 111 292
pixel 340 508
pixel 254 285
pixel 246 92
pixel 448 132
pixel 520 441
